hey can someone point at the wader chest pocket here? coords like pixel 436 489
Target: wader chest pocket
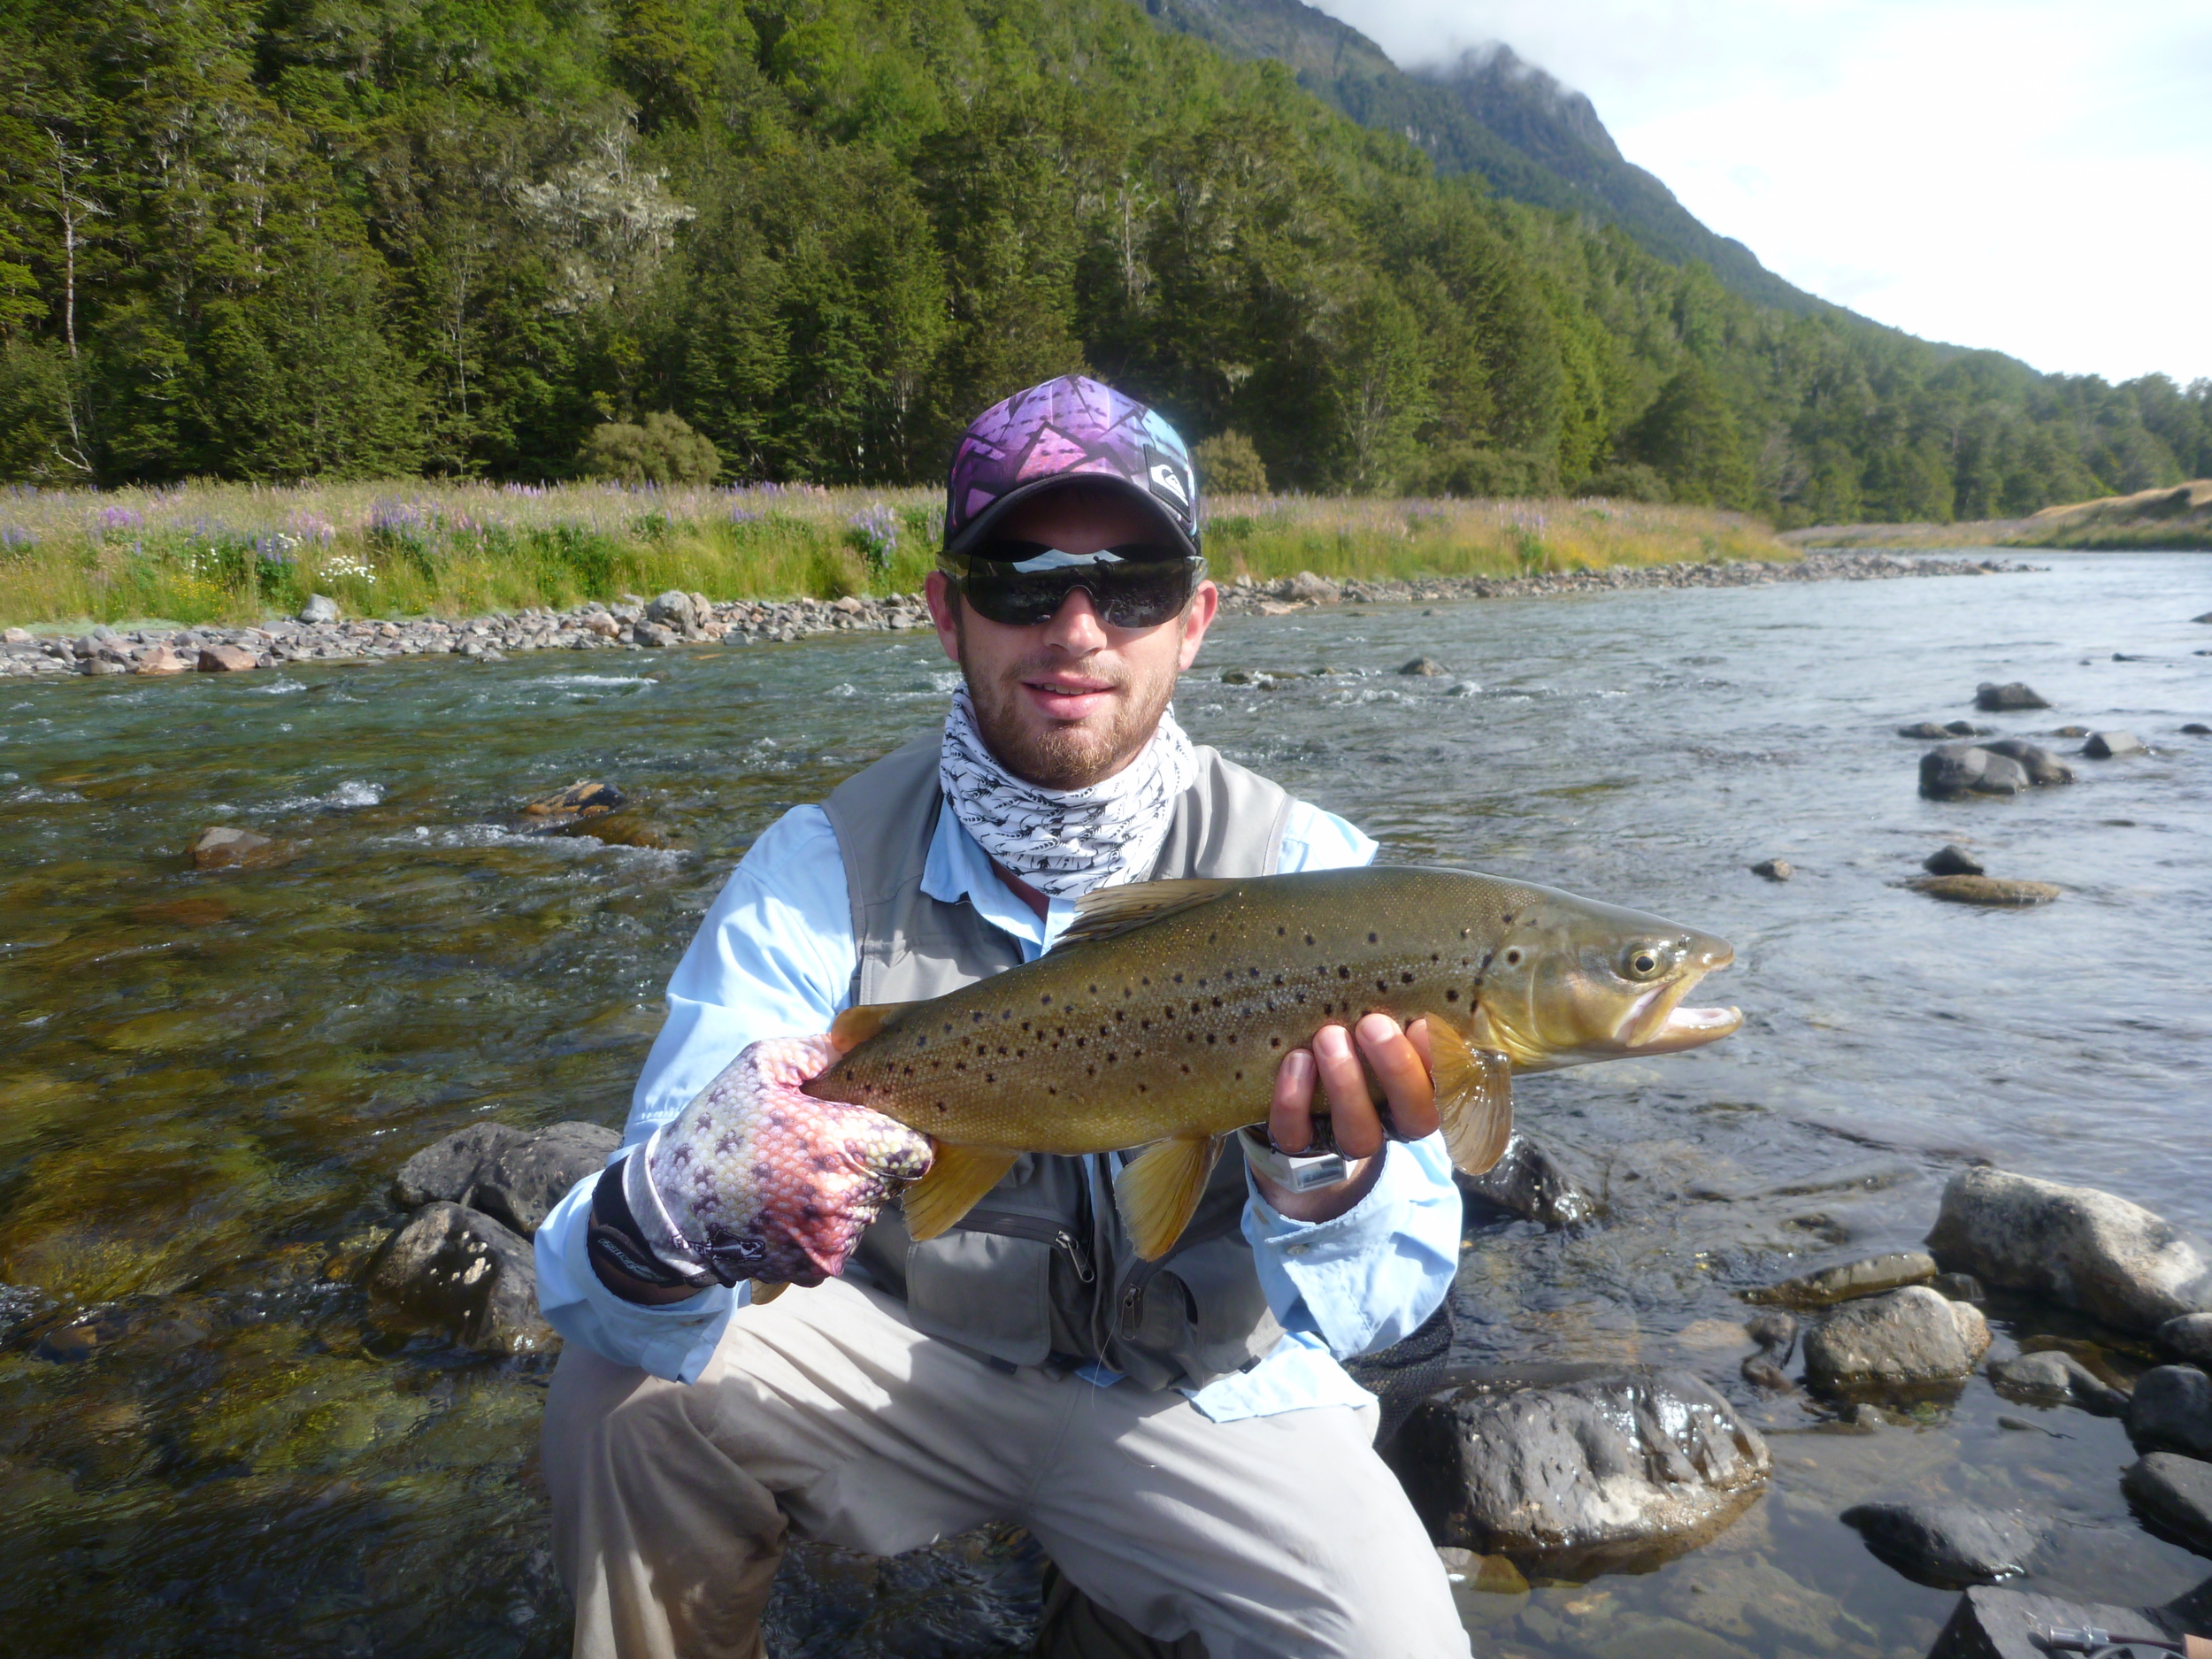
pixel 985 1291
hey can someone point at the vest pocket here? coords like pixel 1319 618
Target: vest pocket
pixel 984 1291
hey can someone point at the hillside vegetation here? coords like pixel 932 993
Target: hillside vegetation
pixel 312 238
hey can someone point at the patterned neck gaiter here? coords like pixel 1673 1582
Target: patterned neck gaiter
pixel 1066 842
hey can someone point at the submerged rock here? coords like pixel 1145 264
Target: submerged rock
pixel 2175 1493
pixel 2171 1411
pixel 1908 1337
pixel 2054 1379
pixel 2196 728
pixel 2040 765
pixel 459 1271
pixel 1947 1545
pixel 1425 668
pixel 1955 769
pixel 579 801
pixel 224 847
pixel 1991 698
pixel 1853 1280
pixel 2112 745
pixel 1960 1288
pixel 1926 731
pixel 1774 869
pixel 2087 1250
pixel 1775 1332
pixel 1997 1624
pixel 1952 860
pixel 512 1174
pixel 1991 892
pixel 1621 1467
pixel 1536 1183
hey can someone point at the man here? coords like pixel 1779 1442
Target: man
pixel 1178 1436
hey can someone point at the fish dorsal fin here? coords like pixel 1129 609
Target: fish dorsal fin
pixel 1157 1191
pixel 861 1022
pixel 1474 1097
pixel 957 1177
pixel 1104 912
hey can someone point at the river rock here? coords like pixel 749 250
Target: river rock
pixel 2112 745
pixel 1775 1332
pixel 1989 891
pixel 1927 730
pixel 1960 1288
pixel 579 800
pixel 161 660
pixel 1952 860
pixel 461 1271
pixel 2089 1250
pixel 673 609
pixel 225 659
pixel 1848 1282
pixel 319 608
pixel 2189 1336
pixel 619 829
pixel 1535 1182
pixel 512 1174
pixel 1425 668
pixel 1774 869
pixel 224 847
pixel 1911 1336
pixel 1624 1466
pixel 1990 1623
pixel 2195 728
pixel 1947 1545
pixel 2177 1494
pixel 1316 589
pixel 1994 698
pixel 1967 729
pixel 2040 765
pixel 2055 1378
pixel 1954 770
pixel 2171 1411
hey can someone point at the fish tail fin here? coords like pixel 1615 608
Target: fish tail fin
pixel 957 1177
pixel 1157 1192
pixel 1474 1097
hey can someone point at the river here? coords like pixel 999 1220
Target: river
pixel 208 1447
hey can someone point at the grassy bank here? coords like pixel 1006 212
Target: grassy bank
pixel 2174 518
pixel 234 552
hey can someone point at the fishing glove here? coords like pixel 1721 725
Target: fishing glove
pixel 754 1179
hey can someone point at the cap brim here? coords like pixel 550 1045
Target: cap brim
pixel 982 526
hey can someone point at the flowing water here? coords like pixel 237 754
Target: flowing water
pixel 208 1446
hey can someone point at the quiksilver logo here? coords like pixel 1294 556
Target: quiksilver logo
pixel 1168 480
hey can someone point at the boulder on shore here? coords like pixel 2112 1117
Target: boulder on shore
pixel 2175 1493
pixel 2171 1411
pixel 1991 698
pixel 1947 1545
pixel 226 659
pixel 462 1272
pixel 1911 1337
pixel 319 608
pixel 2088 1250
pixel 1616 1467
pixel 161 660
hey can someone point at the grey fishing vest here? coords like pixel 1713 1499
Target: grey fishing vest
pixel 1041 1272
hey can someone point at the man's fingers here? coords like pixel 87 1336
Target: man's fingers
pixel 1356 1124
pixel 1290 1114
pixel 1403 1071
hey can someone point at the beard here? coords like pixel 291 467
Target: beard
pixel 1065 756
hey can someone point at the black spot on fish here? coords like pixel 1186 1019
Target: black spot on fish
pixel 1505 921
pixel 1111 1057
pixel 1405 978
pixel 1240 1078
pixel 1210 1040
pixel 1383 986
pixel 1451 995
pixel 1178 979
pixel 1310 939
pixel 1343 972
pixel 1274 1042
pixel 1281 932
pixel 1045 998
pixel 1374 939
pixel 1143 1089
pixel 1216 1001
pixel 990 1076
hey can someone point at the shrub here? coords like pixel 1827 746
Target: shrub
pixel 1228 463
pixel 663 451
pixel 1479 472
pixel 1627 480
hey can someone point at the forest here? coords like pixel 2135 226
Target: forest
pixel 362 239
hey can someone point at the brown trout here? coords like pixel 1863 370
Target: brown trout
pixel 1161 1015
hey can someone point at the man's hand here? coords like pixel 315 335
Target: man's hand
pixel 1399 1060
pixel 756 1179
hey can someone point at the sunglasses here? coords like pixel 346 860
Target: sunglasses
pixel 1020 584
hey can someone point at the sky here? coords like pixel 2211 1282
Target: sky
pixel 2034 175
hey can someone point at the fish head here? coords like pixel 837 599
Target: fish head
pixel 1571 980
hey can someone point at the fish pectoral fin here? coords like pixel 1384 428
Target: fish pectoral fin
pixel 957 1177
pixel 861 1022
pixel 762 1295
pixel 1104 912
pixel 1157 1191
pixel 1474 1097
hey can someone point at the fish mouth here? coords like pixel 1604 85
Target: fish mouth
pixel 1657 1023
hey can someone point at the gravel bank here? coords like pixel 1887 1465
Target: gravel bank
pixel 675 619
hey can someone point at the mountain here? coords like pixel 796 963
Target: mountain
pixel 1491 113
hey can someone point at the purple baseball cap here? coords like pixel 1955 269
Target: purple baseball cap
pixel 1064 430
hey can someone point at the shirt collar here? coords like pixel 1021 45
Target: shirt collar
pixel 958 868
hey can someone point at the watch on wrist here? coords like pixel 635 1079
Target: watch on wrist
pixel 1299 1172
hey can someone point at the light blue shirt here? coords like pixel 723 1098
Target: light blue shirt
pixel 774 957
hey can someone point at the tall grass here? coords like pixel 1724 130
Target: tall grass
pixel 239 552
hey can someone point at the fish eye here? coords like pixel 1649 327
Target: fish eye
pixel 1513 957
pixel 1642 961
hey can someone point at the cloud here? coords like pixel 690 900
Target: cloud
pixel 2028 175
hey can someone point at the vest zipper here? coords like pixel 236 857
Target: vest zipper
pixel 1008 1225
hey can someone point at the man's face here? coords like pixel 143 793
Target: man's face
pixel 1072 701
